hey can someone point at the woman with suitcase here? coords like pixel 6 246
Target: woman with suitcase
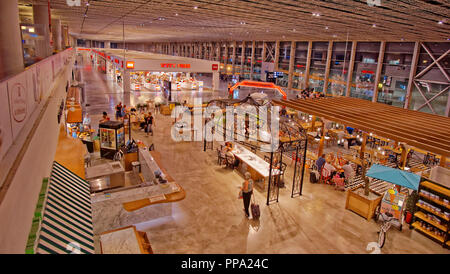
pixel 247 191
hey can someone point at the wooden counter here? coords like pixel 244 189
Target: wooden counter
pixel 125 240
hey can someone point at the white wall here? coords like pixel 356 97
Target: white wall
pixel 42 131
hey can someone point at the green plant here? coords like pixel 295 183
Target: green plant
pixel 411 201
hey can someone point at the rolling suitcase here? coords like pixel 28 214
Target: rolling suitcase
pixel 255 209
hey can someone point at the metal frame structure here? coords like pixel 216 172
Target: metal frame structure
pixel 296 141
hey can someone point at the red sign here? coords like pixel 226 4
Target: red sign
pixel 215 66
pixel 368 71
pixel 130 65
pixel 184 66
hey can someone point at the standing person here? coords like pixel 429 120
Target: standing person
pixel 247 191
pixel 119 111
pixel 149 123
pixel 320 162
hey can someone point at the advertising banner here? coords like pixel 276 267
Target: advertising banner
pixel 5 121
pixel 33 89
pixel 18 102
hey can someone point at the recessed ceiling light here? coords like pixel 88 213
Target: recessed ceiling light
pixel 440 22
pixel 195 7
pixel 326 27
pixel 374 26
pixel 267 30
pixel 87 4
pixel 176 14
pixel 334 35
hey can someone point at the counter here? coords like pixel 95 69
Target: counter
pixel 126 240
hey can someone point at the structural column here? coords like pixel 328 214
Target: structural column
pixel 243 60
pixel 412 74
pixel 56 32
pixel 351 67
pixel 41 17
pixel 252 59
pixel 11 55
pixel 291 64
pixel 233 60
pixel 379 68
pixel 308 64
pixel 107 44
pixel 327 68
pixel 277 54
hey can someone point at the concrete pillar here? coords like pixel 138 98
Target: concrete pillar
pixel 378 73
pixel 65 37
pixel 56 32
pixel 327 68
pixel 412 74
pixel 11 56
pixel 215 81
pixel 291 64
pixel 107 44
pixel 126 81
pixel 350 69
pixel 41 17
pixel 308 64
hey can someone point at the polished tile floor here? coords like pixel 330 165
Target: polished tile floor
pixel 211 220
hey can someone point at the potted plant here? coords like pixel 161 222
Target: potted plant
pixel 410 206
pixel 362 200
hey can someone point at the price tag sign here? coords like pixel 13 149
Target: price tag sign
pixel 391 191
pixel 395 207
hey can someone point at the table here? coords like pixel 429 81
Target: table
pixel 352 159
pixel 258 168
pixel 126 240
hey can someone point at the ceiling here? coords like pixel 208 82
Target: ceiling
pixel 214 20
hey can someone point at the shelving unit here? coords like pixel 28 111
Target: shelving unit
pixel 422 212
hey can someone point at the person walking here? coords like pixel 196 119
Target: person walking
pixel 247 191
pixel 119 111
pixel 149 123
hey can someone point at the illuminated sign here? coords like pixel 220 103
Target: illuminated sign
pixel 130 65
pixel 215 66
pixel 184 66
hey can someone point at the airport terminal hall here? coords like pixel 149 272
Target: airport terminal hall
pixel 229 128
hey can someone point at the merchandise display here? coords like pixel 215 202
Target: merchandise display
pixel 112 138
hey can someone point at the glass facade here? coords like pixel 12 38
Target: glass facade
pixel 395 73
pixel 257 61
pixel 284 58
pixel 429 89
pixel 340 61
pixel 318 65
pixel 247 61
pixel 301 58
pixel 432 81
pixel 363 79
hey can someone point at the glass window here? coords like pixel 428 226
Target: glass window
pixel 363 79
pixel 395 73
pixel 432 82
pixel 318 65
pixel 301 56
pixel 340 60
pixel 107 138
pixel 257 61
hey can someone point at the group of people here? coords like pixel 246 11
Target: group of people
pixel 147 122
pixel 309 93
pixel 334 169
pixel 121 111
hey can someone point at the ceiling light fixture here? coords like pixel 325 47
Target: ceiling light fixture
pixel 374 26
pixel 326 27
pixel 176 14
pixel 195 7
pixel 440 22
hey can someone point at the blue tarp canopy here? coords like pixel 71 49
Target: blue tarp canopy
pixel 395 176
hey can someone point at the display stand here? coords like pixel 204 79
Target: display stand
pixel 112 138
pixel 432 212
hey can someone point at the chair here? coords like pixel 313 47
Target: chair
pixel 220 156
pixel 229 161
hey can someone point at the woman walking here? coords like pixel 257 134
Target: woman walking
pixel 247 191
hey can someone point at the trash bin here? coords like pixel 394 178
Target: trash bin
pixel 136 166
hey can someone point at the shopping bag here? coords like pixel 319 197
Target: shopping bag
pixel 240 195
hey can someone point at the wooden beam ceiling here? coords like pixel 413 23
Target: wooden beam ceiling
pixel 422 130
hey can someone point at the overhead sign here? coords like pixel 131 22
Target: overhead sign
pixel 130 65
pixel 215 66
pixel 168 65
